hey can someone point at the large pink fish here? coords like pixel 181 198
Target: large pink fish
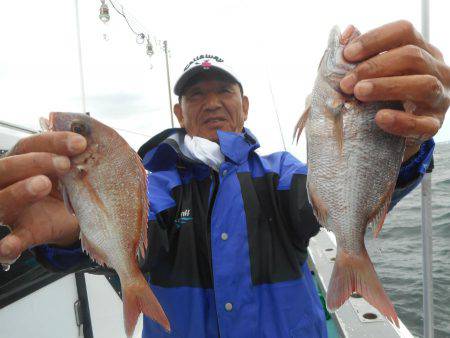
pixel 352 171
pixel 106 188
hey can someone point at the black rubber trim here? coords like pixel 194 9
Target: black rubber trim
pixel 83 298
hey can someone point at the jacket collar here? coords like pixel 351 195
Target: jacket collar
pixel 165 150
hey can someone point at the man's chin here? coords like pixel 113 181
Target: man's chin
pixel 212 134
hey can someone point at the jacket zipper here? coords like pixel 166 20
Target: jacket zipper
pixel 215 186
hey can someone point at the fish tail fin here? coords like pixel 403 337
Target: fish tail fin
pixel 137 298
pixel 353 273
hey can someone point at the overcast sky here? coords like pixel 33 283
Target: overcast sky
pixel 277 43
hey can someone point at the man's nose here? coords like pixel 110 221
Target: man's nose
pixel 212 101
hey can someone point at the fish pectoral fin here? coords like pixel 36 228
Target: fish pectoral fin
pixel 378 215
pixel 137 298
pixel 94 252
pixel 302 121
pixel 355 273
pixel 319 208
pixel 338 131
pixel 334 113
pixel 66 198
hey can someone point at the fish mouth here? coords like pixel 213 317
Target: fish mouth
pixel 334 66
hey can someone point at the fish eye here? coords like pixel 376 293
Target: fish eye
pixel 78 127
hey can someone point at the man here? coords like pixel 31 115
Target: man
pixel 229 229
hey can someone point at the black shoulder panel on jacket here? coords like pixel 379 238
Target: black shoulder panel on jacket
pixel 156 140
pixel 279 225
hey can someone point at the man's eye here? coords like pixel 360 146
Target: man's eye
pixel 196 93
pixel 226 90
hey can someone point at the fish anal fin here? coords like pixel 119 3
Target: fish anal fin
pixel 355 273
pixel 378 215
pixel 319 207
pixel 137 298
pixel 302 121
pixel 94 252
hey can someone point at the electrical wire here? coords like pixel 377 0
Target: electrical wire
pixel 132 132
pixel 124 16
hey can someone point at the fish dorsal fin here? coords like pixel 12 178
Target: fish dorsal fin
pixel 44 124
pixel 302 121
pixel 143 240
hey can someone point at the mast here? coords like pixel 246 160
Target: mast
pixel 168 80
pixel 80 60
pixel 427 230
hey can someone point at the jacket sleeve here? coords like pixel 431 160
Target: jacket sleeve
pixel 294 198
pixel 412 171
pixel 63 259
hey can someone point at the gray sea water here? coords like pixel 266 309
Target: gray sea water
pixel 397 253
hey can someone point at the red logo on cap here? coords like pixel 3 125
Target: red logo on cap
pixel 206 64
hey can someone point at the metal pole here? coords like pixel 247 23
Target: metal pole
pixel 166 50
pixel 427 230
pixel 80 60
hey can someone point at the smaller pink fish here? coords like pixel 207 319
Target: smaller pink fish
pixel 107 190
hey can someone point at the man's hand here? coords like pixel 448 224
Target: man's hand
pixel 30 204
pixel 397 64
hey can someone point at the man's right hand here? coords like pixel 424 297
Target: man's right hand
pixel 30 203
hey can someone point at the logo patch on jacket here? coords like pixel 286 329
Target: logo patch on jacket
pixel 185 216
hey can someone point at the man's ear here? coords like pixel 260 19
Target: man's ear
pixel 245 106
pixel 179 114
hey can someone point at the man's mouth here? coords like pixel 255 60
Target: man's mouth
pixel 214 120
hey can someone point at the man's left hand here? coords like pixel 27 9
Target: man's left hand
pixel 397 64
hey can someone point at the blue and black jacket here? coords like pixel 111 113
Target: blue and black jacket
pixel 227 250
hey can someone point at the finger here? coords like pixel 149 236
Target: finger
pixel 18 195
pixel 407 125
pixel 384 38
pixel 426 90
pixel 61 143
pixel 18 167
pixel 11 248
pixel 405 60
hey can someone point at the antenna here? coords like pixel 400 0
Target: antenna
pixel 275 107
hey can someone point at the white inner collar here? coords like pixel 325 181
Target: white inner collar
pixel 204 150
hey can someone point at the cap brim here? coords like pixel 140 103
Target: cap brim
pixel 183 80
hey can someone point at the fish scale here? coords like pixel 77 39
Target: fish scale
pixel 352 170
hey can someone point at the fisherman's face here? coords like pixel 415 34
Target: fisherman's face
pixel 210 105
